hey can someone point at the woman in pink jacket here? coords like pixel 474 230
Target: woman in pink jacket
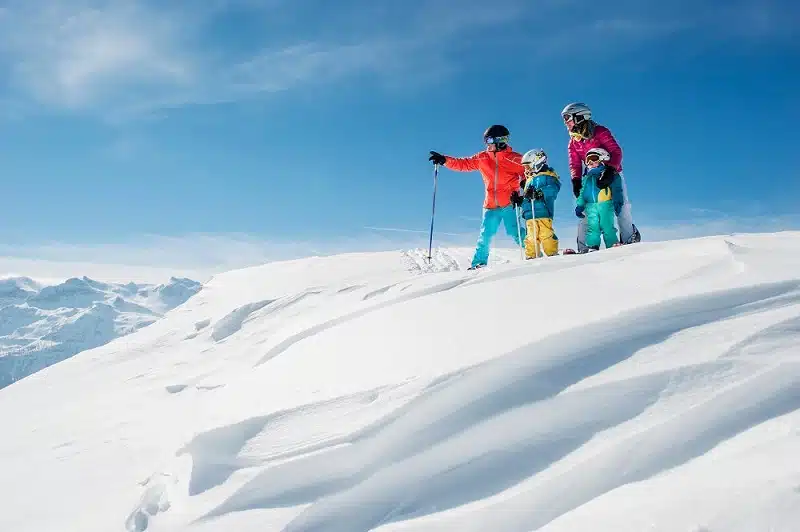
pixel 586 134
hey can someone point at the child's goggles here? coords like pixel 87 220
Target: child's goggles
pixel 592 158
pixel 496 140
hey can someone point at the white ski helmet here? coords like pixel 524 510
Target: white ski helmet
pixel 597 154
pixel 536 159
pixel 578 111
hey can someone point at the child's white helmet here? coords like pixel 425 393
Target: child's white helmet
pixel 597 154
pixel 535 158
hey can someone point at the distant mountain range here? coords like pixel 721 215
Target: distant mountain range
pixel 41 325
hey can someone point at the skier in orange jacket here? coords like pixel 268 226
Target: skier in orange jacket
pixel 501 169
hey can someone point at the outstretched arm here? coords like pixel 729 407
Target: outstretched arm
pixel 462 164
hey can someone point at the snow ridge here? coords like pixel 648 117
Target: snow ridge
pixel 649 387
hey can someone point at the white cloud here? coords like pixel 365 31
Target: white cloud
pixel 197 256
pixel 123 57
pixel 412 231
pixel 154 258
pixel 119 57
pixel 717 225
pixel 276 70
pixel 79 54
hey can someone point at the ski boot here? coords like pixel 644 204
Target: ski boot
pixel 636 236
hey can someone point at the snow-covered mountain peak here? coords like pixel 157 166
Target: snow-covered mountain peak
pixel 44 324
pixel 17 289
pixel 170 294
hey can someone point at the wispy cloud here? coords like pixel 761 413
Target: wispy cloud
pixel 120 56
pixel 77 54
pixel 711 223
pixel 154 258
pixel 414 231
pixel 132 56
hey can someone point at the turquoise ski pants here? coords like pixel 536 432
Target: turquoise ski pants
pixel 600 222
pixel 490 223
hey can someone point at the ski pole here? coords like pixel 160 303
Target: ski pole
pixel 519 232
pixel 433 209
pixel 550 215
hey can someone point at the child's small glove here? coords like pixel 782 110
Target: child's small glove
pixel 579 211
pixel 606 177
pixel 516 200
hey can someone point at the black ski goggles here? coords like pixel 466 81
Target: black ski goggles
pixel 496 140
pixel 576 118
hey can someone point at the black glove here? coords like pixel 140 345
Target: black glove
pixel 516 200
pixel 576 187
pixel 437 158
pixel 607 177
pixel 579 212
pixel 538 194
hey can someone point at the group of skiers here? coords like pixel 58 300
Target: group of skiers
pixel 527 185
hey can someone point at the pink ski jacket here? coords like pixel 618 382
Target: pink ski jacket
pixel 602 138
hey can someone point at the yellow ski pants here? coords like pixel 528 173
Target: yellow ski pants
pixel 545 240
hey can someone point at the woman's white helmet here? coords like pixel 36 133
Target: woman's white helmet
pixel 576 111
pixel 597 154
pixel 536 159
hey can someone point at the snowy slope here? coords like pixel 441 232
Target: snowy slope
pixel 41 325
pixel 654 387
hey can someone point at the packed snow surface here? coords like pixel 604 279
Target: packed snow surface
pixel 41 324
pixel 652 387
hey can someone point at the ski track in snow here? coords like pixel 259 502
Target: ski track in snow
pixel 515 441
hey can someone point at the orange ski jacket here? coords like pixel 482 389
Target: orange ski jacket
pixel 501 171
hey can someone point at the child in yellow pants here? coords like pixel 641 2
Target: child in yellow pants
pixel 540 188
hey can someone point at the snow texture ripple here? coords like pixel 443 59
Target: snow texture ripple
pixel 652 387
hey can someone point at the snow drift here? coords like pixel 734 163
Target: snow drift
pixel 41 325
pixel 651 387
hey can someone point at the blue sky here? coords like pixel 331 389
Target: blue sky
pixel 247 130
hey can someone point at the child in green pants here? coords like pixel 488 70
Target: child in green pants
pixel 599 205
